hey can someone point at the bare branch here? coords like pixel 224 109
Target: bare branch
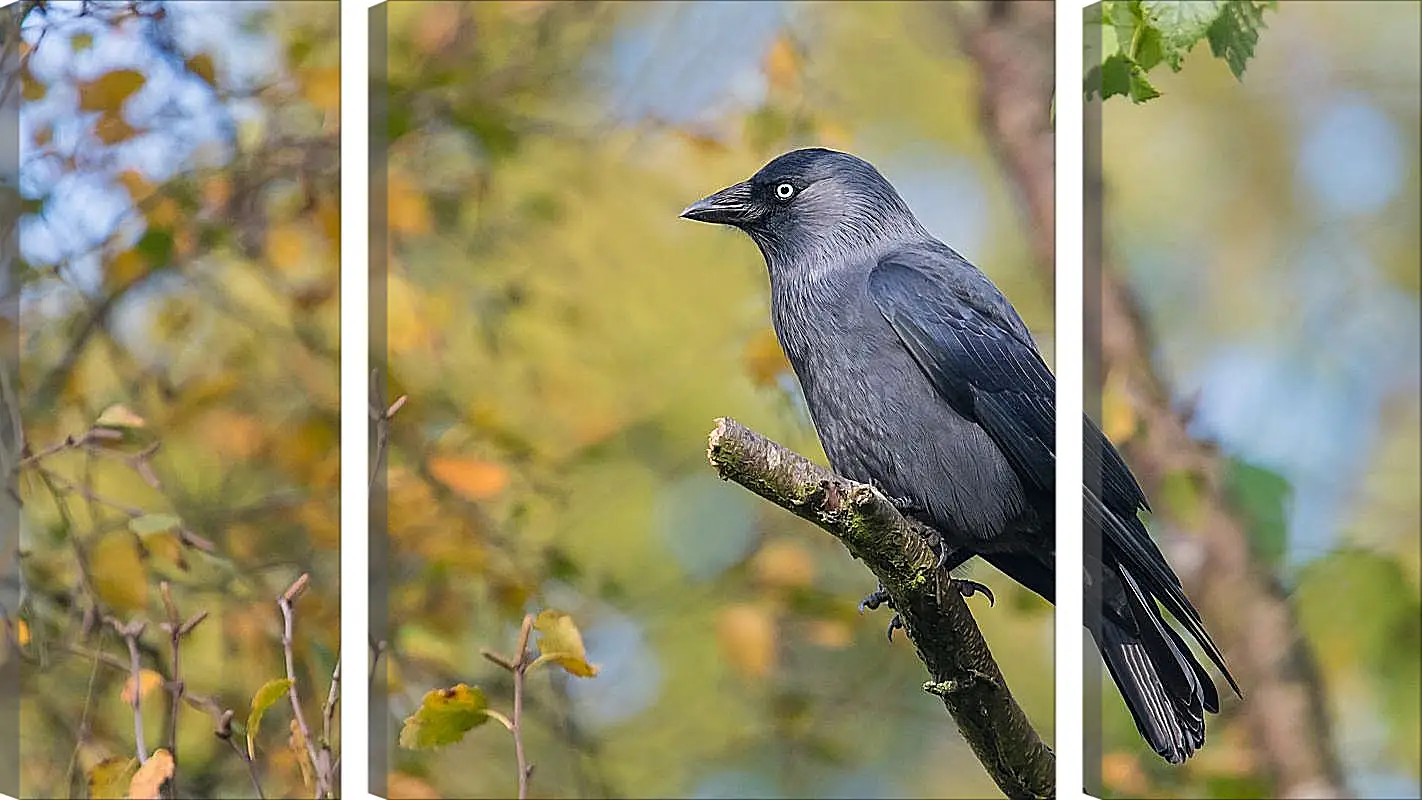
pixel 288 612
pixel 935 617
pixel 130 634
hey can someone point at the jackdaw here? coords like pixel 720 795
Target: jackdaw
pixel 922 380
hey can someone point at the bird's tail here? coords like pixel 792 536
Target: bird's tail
pixel 1166 689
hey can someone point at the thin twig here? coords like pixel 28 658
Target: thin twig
pixel 176 629
pixel 224 731
pixel 83 731
pixel 381 415
pixel 328 716
pixel 130 634
pixel 521 664
pixel 288 612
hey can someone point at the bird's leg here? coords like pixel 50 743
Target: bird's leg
pixel 874 599
pixel 895 624
pixel 967 588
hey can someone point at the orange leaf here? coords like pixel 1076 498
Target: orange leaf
pixel 784 563
pixel 322 88
pixel 746 634
pixel 475 480
pixel 151 776
pixel 286 246
pixel 138 186
pixel 783 64
pixel 409 212
pixel 148 680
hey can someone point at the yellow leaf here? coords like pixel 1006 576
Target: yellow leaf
pixel 44 134
pixel 22 632
pixel 286 246
pixel 265 698
pixel 561 642
pixel 474 479
pixel 31 89
pixel 109 778
pixel 138 186
pixel 408 324
pixel 120 578
pixel 322 88
pixel 746 634
pixel 112 128
pixel 125 268
pixel 149 779
pixel 409 211
pixel 148 680
pixel 1118 414
pixel 764 359
pixel 202 66
pixel 783 64
pixel 785 564
pixel 108 91
pixel 296 743
pixel 164 213
pixel 119 416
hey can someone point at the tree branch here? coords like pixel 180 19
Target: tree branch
pixel 935 617
pixel 1253 618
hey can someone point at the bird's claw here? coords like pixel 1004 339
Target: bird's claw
pixel 968 588
pixel 895 624
pixel 874 599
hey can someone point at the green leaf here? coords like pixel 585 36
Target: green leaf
pixel 265 697
pixel 1121 76
pixel 1234 34
pixel 1262 497
pixel 153 523
pixel 444 716
pixel 1181 23
pixel 157 246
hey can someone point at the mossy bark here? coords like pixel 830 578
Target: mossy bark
pixel 934 613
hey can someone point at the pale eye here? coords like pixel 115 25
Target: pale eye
pixel 784 191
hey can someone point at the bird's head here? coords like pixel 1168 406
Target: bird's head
pixel 807 200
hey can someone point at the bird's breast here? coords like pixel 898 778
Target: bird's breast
pixel 880 419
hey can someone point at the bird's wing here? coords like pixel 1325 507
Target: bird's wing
pixel 981 361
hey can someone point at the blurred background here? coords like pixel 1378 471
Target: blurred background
pixel 566 341
pixel 1268 232
pixel 177 286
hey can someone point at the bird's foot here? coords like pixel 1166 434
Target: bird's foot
pixel 874 599
pixel 968 588
pixel 895 624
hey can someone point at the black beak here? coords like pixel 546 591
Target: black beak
pixel 730 206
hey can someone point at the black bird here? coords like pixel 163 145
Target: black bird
pixel 921 379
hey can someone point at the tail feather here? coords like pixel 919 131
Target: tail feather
pixel 1166 690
